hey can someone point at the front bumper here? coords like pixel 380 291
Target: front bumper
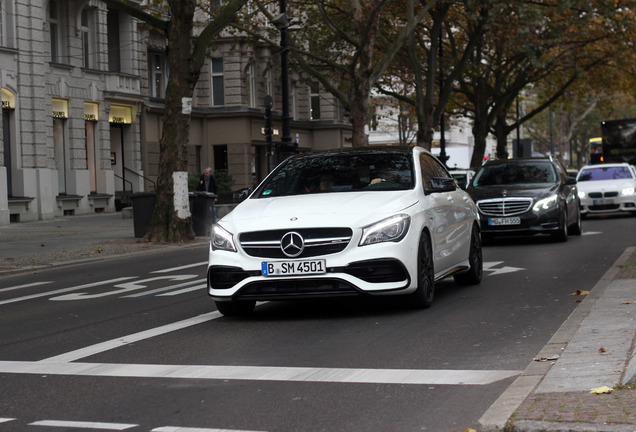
pixel 376 269
pixel 531 223
pixel 591 206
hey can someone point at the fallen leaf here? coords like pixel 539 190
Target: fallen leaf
pixel 602 350
pixel 579 292
pixel 545 359
pixel 469 430
pixel 627 302
pixel 601 390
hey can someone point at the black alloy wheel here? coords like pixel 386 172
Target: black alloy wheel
pixel 561 235
pixel 422 298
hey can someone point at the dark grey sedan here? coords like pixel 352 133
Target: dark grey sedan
pixel 526 196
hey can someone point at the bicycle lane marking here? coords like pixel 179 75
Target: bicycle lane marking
pixel 65 290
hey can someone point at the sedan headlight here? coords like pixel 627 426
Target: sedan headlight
pixel 545 203
pixel 581 194
pixel 627 191
pixel 392 229
pixel 222 239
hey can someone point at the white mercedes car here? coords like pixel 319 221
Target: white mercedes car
pixel 607 188
pixel 363 221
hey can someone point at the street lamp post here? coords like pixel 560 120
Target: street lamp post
pixel 282 23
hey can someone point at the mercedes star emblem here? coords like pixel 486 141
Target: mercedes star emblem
pixel 292 244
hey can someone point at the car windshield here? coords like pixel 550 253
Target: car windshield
pixel 605 173
pixel 530 172
pixel 334 172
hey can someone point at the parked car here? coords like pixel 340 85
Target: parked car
pixel 378 221
pixel 607 188
pixel 526 196
pixel 463 176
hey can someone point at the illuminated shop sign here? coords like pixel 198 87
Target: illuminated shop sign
pixel 60 109
pixel 91 111
pixel 121 114
pixel 8 99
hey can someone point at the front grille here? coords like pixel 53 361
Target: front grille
pixel 318 241
pixel 504 206
pixel 595 195
pixel 295 288
pixel 604 207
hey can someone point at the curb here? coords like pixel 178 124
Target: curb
pixel 496 418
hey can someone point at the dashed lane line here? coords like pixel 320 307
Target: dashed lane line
pixel 83 425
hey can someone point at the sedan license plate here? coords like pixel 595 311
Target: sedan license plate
pixel 291 268
pixel 505 221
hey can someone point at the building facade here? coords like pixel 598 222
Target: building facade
pixel 83 88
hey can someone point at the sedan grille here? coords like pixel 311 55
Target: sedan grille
pixel 317 241
pixel 504 206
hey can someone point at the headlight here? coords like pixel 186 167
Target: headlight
pixel 545 203
pixel 392 229
pixel 627 191
pixel 222 240
pixel 581 194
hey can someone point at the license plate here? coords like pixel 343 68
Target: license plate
pixel 604 201
pixel 505 221
pixel 291 268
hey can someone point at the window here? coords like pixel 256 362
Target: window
pixel 114 55
pixel 218 92
pixel 89 50
pixel 315 101
pixel 158 74
pixel 430 168
pixel 57 30
pixel 251 85
pixel 7 35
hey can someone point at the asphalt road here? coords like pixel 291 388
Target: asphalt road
pixel 135 344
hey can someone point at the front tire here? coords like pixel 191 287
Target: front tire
pixel 422 298
pixel 476 261
pixel 562 234
pixel 235 308
pixel 575 228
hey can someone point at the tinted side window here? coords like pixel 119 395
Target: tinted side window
pixel 430 168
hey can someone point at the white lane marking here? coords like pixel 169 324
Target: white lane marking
pixel 168 288
pixel 4 420
pixel 83 425
pixel 65 290
pixel 488 266
pixel 124 287
pixel 263 373
pixel 183 291
pixel 188 429
pixel 586 233
pixel 135 337
pixel 168 270
pixel 25 286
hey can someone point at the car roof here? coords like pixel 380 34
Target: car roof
pixel 606 165
pixel 523 159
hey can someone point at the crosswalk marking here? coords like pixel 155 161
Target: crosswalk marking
pixel 263 373
pixel 83 425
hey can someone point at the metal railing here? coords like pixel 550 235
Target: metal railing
pixel 154 185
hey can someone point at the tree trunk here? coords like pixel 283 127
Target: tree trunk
pixel 166 224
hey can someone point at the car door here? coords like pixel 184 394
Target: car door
pixel 449 217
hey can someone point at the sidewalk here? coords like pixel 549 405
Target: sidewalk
pixel 593 348
pixel 30 245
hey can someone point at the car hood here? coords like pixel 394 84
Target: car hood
pixel 605 185
pixel 510 191
pixel 317 210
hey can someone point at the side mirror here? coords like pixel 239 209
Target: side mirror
pixel 570 181
pixel 442 184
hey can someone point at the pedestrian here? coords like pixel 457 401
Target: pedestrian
pixel 207 183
